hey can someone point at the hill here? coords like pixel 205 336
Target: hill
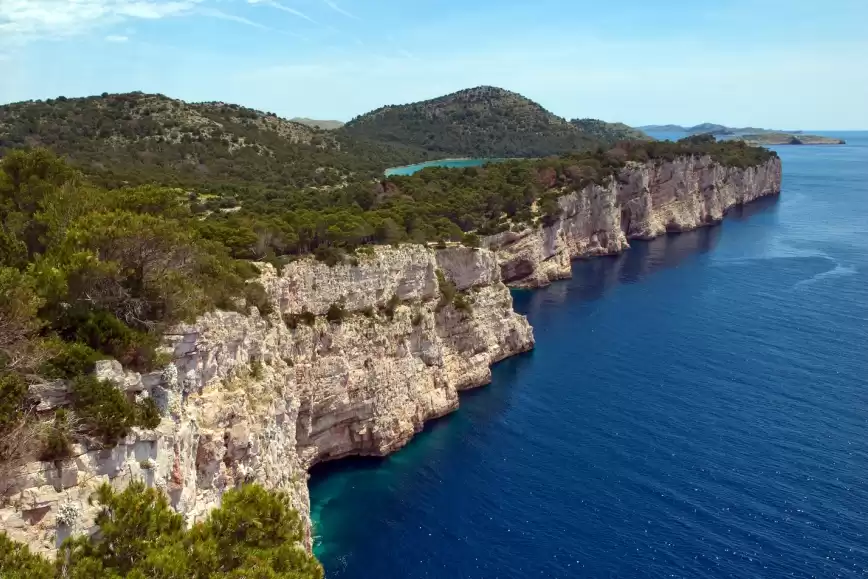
pixel 609 131
pixel 477 122
pixel 325 125
pixel 140 138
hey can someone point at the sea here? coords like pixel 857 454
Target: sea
pixel 452 163
pixel 696 407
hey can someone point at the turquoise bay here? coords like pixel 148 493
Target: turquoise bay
pixel 452 163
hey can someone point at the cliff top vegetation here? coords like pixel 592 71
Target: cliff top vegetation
pixel 253 534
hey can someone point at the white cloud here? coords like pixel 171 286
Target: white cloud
pixel 25 20
pixel 285 8
pixel 340 10
pixel 116 38
pixel 232 18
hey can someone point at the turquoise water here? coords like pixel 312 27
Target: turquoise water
pixel 697 407
pixel 453 163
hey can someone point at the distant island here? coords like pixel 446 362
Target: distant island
pixel 780 138
pixel 751 135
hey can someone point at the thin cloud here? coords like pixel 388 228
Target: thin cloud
pixel 116 38
pixel 213 13
pixel 22 21
pixel 340 10
pixel 280 6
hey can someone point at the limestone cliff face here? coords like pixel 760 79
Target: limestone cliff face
pixel 642 202
pixel 252 398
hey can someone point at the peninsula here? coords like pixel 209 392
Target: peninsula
pixel 185 311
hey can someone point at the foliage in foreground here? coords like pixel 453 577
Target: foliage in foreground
pixel 254 534
pixel 87 274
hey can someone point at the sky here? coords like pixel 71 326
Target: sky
pixel 787 64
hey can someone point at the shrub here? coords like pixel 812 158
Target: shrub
pixel 336 313
pixel 417 319
pixel 70 360
pixel 255 295
pixel 57 442
pixel 148 414
pixel 106 414
pixel 391 306
pixel 462 304
pixel 103 410
pixel 447 290
pixel 103 332
pixel 471 240
pixel 369 312
pixel 256 369
pixel 18 562
pixel 253 533
pixel 331 256
pixel 13 396
pixel 307 318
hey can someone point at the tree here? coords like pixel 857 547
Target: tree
pixel 254 533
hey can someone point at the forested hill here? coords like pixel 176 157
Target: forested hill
pixel 609 131
pixel 140 138
pixel 480 122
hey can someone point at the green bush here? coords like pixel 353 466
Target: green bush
pixel 57 442
pixel 255 295
pixel 18 562
pixel 471 240
pixel 13 396
pixel 462 304
pixel 70 360
pixel 148 414
pixel 101 331
pixel 104 411
pixel 254 533
pixel 331 256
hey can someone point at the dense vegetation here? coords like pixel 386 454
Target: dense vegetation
pixel 85 274
pixel 254 534
pixel 437 204
pixel 480 122
pixel 607 132
pixel 135 138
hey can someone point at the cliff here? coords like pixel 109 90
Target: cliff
pixel 644 201
pixel 263 398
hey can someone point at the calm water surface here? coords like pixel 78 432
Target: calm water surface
pixel 695 408
pixel 453 163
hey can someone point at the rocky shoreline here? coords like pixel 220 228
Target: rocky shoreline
pixel 355 358
pixel 643 202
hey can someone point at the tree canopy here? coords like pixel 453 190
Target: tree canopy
pixel 254 534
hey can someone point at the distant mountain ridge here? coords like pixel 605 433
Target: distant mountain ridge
pixel 710 128
pixel 317 124
pixel 751 135
pixel 137 138
pixel 482 122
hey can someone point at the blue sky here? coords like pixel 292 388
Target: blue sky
pixel 771 63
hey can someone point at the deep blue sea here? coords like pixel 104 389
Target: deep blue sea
pixel 697 407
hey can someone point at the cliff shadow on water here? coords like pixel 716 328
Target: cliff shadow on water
pixel 594 278
pixel 392 481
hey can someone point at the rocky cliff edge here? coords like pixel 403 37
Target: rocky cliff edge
pixel 264 398
pixel 643 201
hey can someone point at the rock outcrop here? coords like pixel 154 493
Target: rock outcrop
pixel 263 398
pixel 643 201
